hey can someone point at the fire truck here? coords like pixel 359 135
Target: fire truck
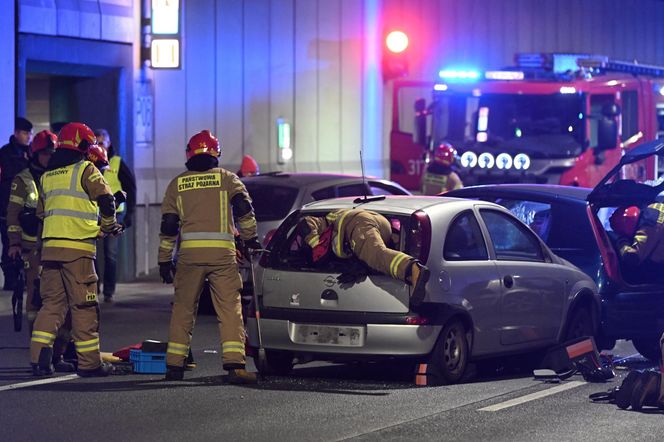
pixel 553 118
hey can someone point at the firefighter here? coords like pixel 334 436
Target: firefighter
pixel 439 176
pixel 73 193
pixel 120 178
pixel 364 234
pixel 198 209
pixel 249 167
pixel 640 233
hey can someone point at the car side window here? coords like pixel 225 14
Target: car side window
pixel 352 190
pixel 323 194
pixel 464 241
pixel 535 214
pixel 511 240
pixel 384 189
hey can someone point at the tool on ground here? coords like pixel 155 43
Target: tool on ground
pixel 17 296
pixel 261 358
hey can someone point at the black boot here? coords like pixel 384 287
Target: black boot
pixel 646 390
pixel 62 366
pixel 44 366
pixel 418 275
pixel 174 373
pixel 103 370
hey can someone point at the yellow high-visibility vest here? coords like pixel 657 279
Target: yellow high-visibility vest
pixel 70 217
pixel 112 177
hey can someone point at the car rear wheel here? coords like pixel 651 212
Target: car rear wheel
pixel 451 353
pixel 580 324
pixel 277 362
pixel 649 348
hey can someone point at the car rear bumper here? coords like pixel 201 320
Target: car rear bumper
pixel 630 316
pixel 377 339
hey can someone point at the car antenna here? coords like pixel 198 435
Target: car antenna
pixel 365 198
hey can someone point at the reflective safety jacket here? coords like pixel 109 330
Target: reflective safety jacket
pixel 202 202
pixel 340 220
pixel 69 209
pixel 24 195
pixel 433 183
pixel 648 241
pixel 112 177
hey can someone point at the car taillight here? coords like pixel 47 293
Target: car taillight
pixel 417 320
pixel 609 256
pixel 268 237
pixel 420 236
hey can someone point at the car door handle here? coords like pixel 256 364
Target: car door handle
pixel 508 281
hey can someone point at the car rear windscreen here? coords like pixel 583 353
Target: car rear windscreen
pixel 271 203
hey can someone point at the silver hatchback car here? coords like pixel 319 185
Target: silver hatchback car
pixel 495 288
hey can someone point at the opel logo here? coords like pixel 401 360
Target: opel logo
pixel 329 281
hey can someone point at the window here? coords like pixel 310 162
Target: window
pixel 464 241
pixel 353 190
pixel 511 241
pixel 597 103
pixel 384 189
pixel 630 114
pixel 323 194
pixel 271 203
pixel 534 214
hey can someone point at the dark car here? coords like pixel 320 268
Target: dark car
pixel 574 224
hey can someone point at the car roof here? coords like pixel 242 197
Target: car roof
pixel 391 203
pixel 578 194
pixel 305 178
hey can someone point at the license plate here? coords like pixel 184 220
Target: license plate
pixel 328 335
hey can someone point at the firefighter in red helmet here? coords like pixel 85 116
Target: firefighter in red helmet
pixel 22 227
pixel 198 208
pixel 439 176
pixel 640 233
pixel 249 167
pixel 73 193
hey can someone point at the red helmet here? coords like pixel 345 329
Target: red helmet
pixel 249 166
pixel 624 220
pixel 98 155
pixel 444 154
pixel 44 140
pixel 76 136
pixel 203 143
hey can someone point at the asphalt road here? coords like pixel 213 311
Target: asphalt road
pixel 317 402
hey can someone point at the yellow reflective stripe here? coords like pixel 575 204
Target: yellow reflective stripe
pixel 42 340
pixel 396 262
pixel 313 242
pixel 43 334
pixel 340 234
pixel 232 347
pixel 85 343
pixel 167 244
pixel 16 199
pixel 178 349
pixel 28 237
pixel 93 347
pixel 178 203
pixel 71 244
pixel 206 243
pixel 247 223
pixel 223 214
pixel 14 228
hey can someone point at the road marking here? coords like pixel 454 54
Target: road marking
pixel 533 396
pixel 38 382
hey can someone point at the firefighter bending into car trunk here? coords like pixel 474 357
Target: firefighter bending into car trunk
pixel 364 233
pixel 73 194
pixel 439 176
pixel 199 207
pixel 22 227
pixel 640 240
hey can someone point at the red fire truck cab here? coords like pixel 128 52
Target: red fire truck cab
pixel 554 118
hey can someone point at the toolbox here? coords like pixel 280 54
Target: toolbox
pixel 147 362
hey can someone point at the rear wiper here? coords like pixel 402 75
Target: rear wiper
pixel 368 199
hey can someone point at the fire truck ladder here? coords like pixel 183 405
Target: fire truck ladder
pixel 605 64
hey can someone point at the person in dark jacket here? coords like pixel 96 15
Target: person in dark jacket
pixel 13 159
pixel 120 177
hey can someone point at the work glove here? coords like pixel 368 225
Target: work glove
pixel 114 229
pixel 166 271
pixel 249 245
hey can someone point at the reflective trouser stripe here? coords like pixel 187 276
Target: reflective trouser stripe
pixel 313 241
pixel 247 223
pixel 204 243
pixel 71 244
pixel 16 199
pixel 232 347
pixel 396 262
pixel 178 349
pixel 168 244
pixel 207 235
pixel 43 337
pixel 86 346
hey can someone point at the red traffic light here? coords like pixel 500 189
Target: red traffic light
pixel 396 41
